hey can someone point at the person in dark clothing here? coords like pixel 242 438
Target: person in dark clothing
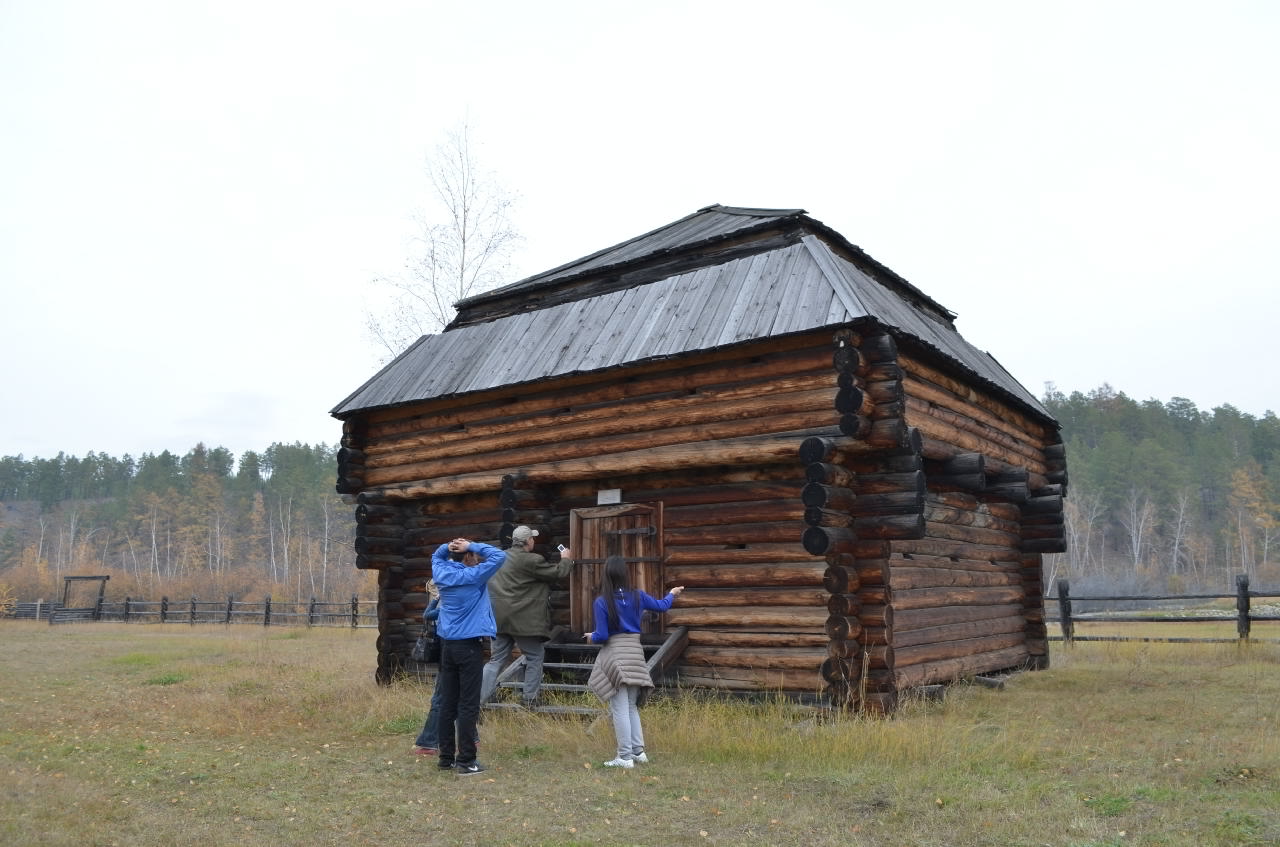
pixel 521 606
pixel 428 741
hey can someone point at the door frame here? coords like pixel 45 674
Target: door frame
pixel 646 570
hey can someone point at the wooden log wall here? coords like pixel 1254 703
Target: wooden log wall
pixel 996 477
pixel 958 593
pixel 754 601
pixel 933 538
pixel 904 549
pixel 714 439
pixel 728 408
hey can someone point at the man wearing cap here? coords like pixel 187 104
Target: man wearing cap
pixel 520 593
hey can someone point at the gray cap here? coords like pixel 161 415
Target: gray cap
pixel 521 534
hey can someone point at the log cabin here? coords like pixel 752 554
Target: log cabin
pixel 745 403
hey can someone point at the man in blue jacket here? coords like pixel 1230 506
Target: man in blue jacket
pixel 466 620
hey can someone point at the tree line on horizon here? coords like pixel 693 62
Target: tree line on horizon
pixel 202 524
pixel 1162 497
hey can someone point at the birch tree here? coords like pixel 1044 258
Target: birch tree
pixel 464 247
pixel 1178 527
pixel 1137 517
pixel 1250 512
pixel 1082 514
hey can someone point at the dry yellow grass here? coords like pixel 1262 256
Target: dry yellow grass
pixel 178 735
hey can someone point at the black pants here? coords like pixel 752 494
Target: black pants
pixel 461 667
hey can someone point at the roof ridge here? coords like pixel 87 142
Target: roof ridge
pixel 565 270
pixel 753 211
pixel 581 260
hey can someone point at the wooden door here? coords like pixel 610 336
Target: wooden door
pixel 630 530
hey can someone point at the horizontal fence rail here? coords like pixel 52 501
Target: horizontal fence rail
pixel 354 613
pixel 1244 615
pixel 36 611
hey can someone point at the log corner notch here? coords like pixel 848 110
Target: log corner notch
pixel 1043 531
pixel 827 504
pixel 379 541
pixel 1043 522
pixel 890 490
pixel 380 546
pixel 351 457
pixel 828 497
pixel 519 504
pixel 861 491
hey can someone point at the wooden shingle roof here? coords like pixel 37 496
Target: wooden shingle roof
pixel 719 277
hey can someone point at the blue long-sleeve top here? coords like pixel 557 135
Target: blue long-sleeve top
pixel 464 609
pixel 630 605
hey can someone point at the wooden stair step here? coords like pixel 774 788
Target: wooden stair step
pixel 547 686
pixel 545 709
pixel 658 655
pixel 569 710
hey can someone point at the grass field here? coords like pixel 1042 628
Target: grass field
pixel 209 735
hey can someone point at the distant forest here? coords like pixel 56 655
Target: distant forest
pixel 1162 497
pixel 200 525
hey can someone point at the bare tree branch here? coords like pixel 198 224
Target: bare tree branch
pixel 463 248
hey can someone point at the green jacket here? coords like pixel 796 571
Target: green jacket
pixel 521 592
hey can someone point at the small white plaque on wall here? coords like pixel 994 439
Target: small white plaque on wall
pixel 608 496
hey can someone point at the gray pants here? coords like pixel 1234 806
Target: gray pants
pixel 533 648
pixel 626 722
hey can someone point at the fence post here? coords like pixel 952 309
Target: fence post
pixel 230 603
pixel 1242 606
pixel 266 612
pixel 193 610
pixel 355 611
pixel 311 612
pixel 164 609
pixel 39 607
pixel 97 608
pixel 1064 612
pixel 126 610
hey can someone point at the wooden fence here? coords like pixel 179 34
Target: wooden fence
pixel 354 613
pixel 357 613
pixel 1244 615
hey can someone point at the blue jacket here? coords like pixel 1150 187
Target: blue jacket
pixel 465 611
pixel 630 605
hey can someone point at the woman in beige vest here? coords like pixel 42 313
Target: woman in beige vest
pixel 620 670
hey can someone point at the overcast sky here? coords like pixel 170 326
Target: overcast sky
pixel 195 196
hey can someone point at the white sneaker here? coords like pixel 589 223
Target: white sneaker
pixel 641 758
pixel 619 763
